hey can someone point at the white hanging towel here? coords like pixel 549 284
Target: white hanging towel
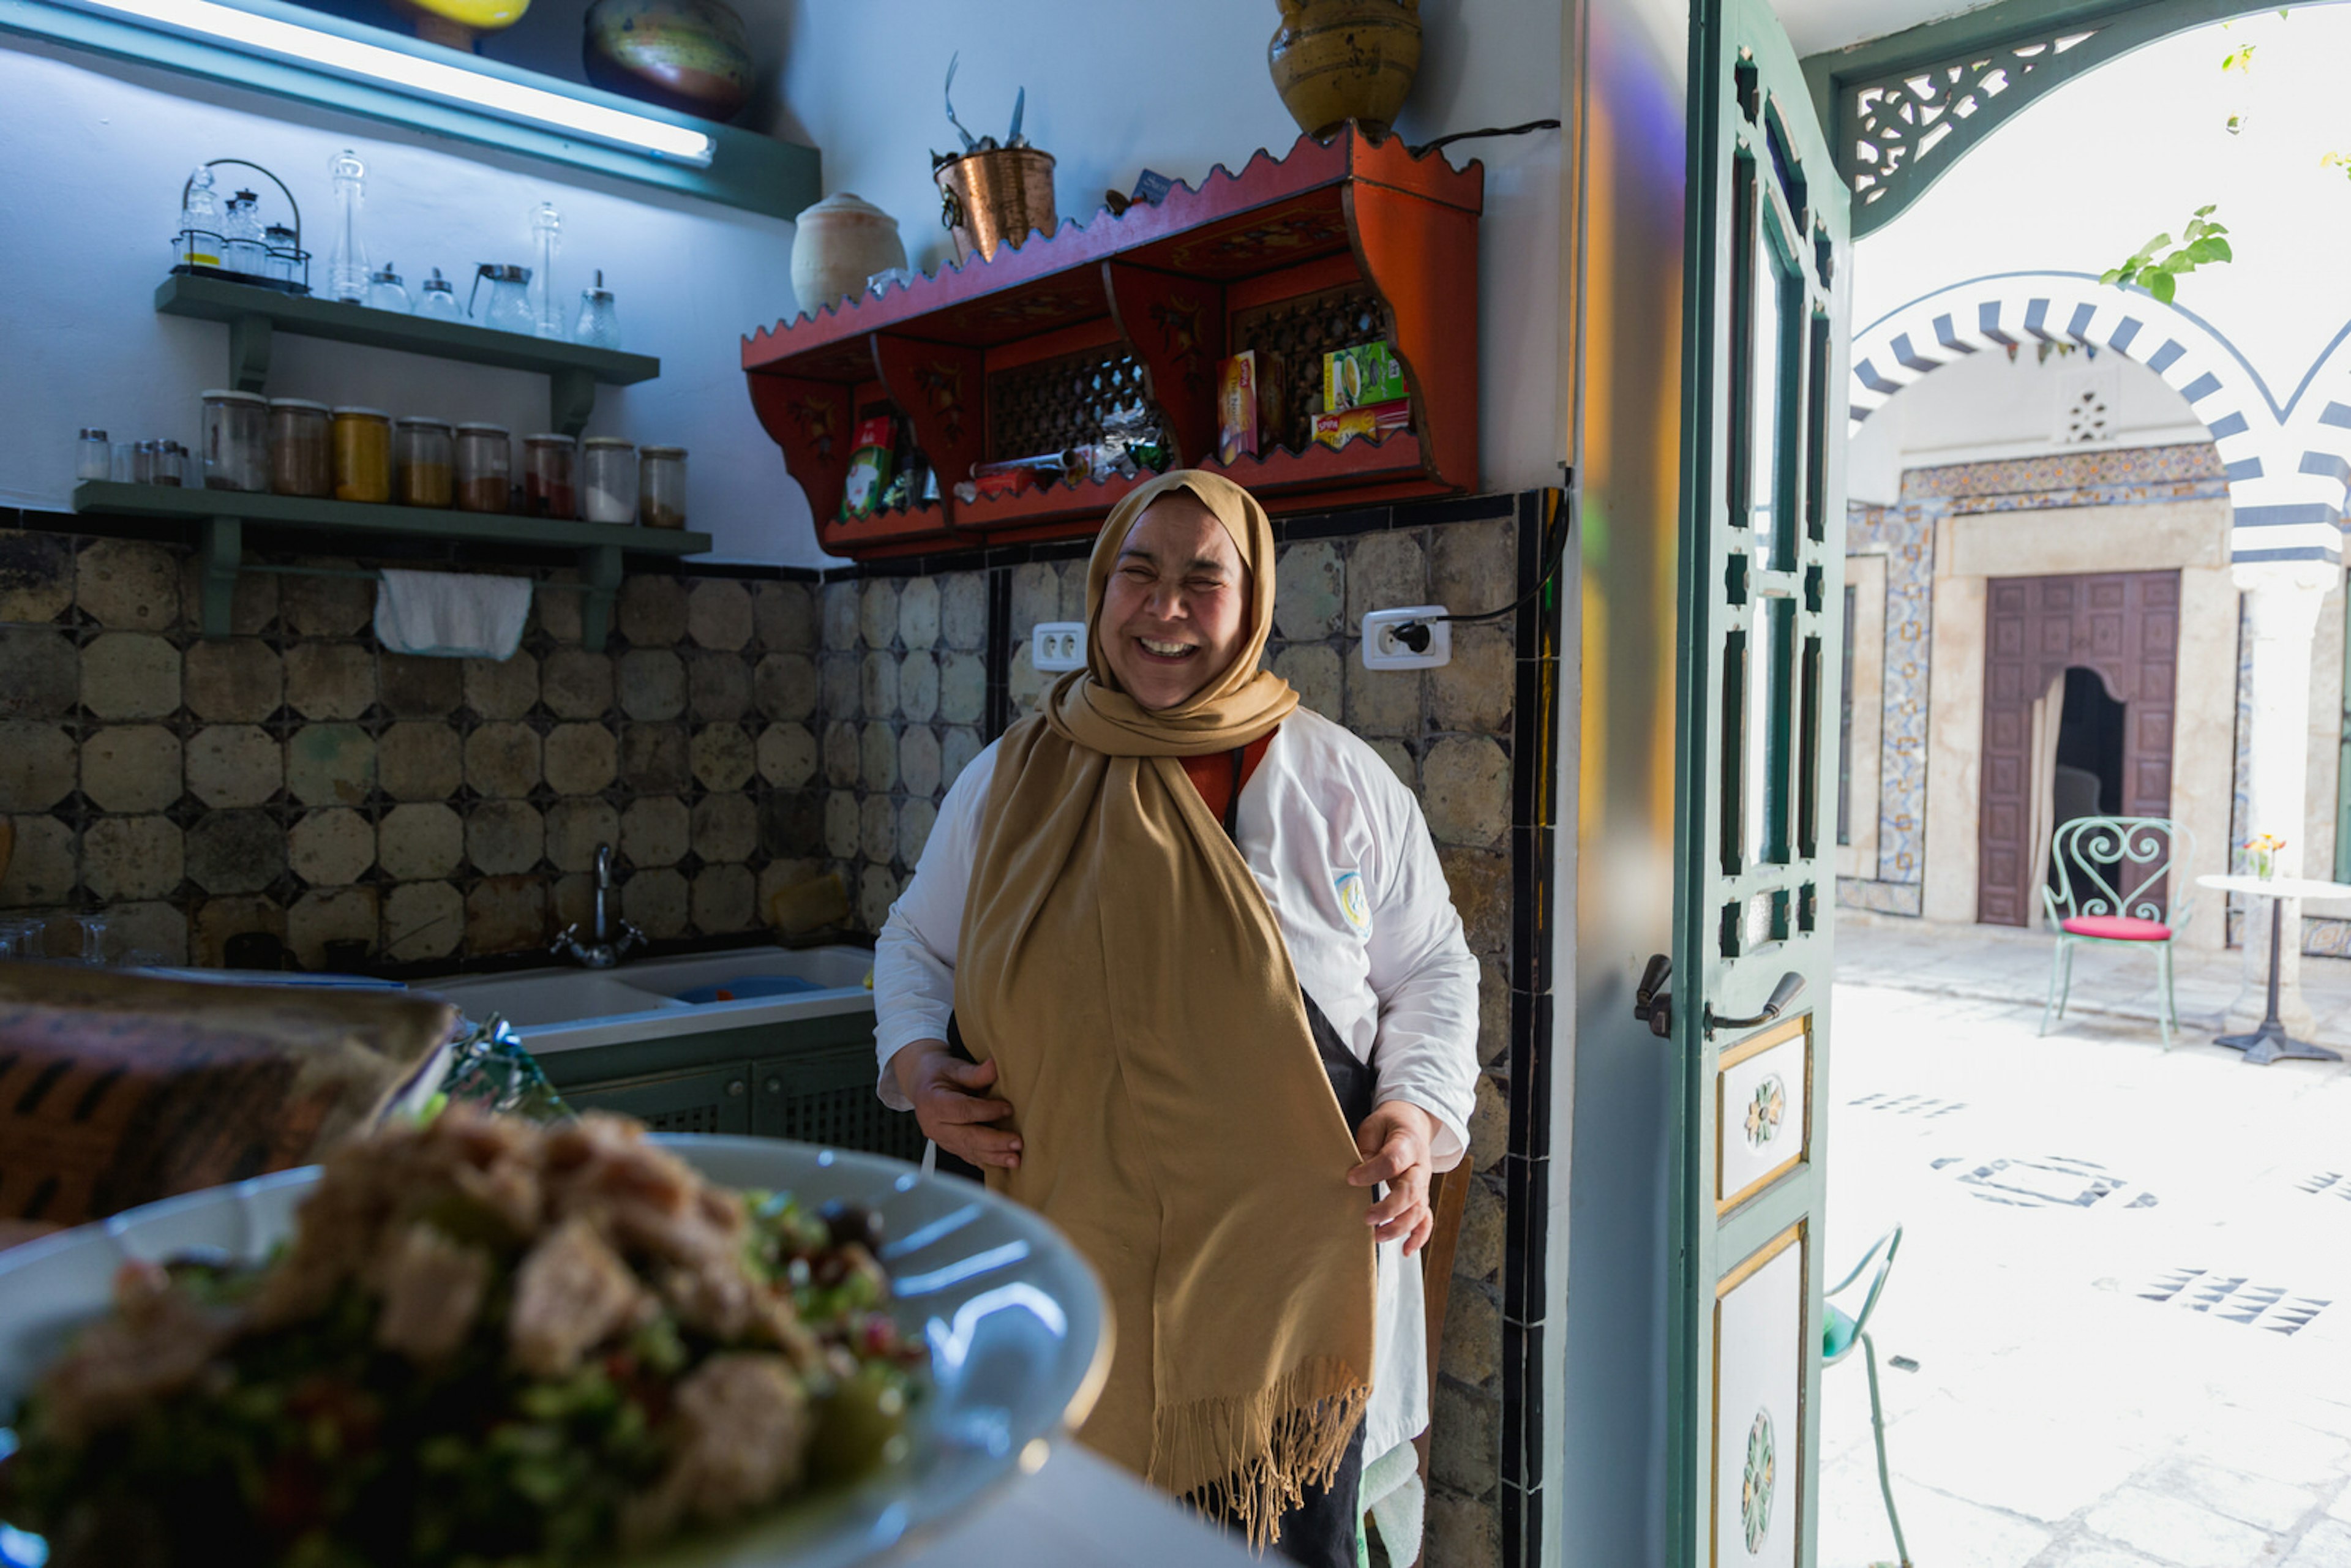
pixel 451 614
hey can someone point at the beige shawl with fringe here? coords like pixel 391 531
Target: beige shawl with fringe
pixel 1119 964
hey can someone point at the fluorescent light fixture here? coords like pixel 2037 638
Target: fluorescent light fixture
pixel 411 74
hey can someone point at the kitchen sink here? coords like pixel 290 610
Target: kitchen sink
pixel 565 1009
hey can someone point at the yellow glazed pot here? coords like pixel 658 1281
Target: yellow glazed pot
pixel 1336 60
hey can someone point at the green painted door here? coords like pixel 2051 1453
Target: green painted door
pixel 1762 595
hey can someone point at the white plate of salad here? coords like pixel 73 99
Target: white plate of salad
pixel 480 1341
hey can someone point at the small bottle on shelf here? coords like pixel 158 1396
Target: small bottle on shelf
pixel 91 456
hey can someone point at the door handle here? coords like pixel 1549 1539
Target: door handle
pixel 1652 997
pixel 1791 986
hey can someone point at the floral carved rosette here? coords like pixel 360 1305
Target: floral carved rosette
pixel 1757 1485
pixel 1766 1110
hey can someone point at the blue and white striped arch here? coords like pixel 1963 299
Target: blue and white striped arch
pixel 2289 467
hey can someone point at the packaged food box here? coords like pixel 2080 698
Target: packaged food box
pixel 1373 421
pixel 1360 376
pixel 869 468
pixel 1251 411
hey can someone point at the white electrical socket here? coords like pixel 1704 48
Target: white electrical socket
pixel 1383 650
pixel 1058 645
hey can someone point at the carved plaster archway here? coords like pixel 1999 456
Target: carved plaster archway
pixel 2289 467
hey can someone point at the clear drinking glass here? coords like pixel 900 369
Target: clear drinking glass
pixel 20 938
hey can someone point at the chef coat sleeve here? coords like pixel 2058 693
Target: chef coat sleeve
pixel 913 956
pixel 1426 981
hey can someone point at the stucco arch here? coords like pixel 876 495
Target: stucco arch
pixel 2288 466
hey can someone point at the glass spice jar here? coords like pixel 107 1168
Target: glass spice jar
pixel 363 454
pixel 609 476
pixel 91 454
pixel 661 487
pixel 301 447
pixel 485 468
pixel 235 440
pixel 425 453
pixel 550 476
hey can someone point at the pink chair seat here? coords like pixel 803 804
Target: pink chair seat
pixel 2117 928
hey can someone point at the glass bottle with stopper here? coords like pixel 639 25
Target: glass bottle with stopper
pixel 545 225
pixel 347 271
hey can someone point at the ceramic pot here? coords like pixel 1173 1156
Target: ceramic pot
pixel 1336 60
pixel 688 55
pixel 837 245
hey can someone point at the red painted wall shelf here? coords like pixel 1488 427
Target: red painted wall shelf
pixel 1177 285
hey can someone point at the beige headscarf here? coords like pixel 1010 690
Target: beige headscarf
pixel 1119 964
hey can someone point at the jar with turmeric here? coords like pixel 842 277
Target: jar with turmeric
pixel 363 454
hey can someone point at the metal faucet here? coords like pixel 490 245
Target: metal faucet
pixel 602 949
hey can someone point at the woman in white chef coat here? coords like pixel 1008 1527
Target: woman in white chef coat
pixel 1211 997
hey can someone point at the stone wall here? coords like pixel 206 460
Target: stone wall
pixel 920 669
pixel 295 779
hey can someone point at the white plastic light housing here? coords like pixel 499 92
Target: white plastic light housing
pixel 409 74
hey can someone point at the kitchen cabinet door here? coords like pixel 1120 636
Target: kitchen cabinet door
pixel 827 1097
pixel 714 1100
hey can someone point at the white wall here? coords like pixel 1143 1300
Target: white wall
pixel 1117 86
pixel 99 149
pixel 96 154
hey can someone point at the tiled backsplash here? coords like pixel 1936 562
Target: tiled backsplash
pixel 295 779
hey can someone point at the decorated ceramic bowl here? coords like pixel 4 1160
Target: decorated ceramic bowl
pixel 688 55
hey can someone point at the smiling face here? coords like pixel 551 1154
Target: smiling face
pixel 1176 612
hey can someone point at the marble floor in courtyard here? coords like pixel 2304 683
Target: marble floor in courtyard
pixel 2126 1273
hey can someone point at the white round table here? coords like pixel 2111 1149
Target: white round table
pixel 2271 1041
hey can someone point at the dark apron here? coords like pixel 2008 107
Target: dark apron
pixel 1354 1082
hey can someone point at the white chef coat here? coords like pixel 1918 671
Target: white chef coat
pixel 1340 849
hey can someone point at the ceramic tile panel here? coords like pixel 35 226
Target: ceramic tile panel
pixel 296 785
pixel 2067 470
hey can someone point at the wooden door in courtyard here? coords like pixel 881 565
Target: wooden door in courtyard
pixel 1762 596
pixel 2122 625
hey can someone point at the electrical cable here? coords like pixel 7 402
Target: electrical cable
pixel 1555 551
pixel 1428 146
pixel 1415 635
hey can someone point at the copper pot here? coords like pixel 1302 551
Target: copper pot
pixel 991 198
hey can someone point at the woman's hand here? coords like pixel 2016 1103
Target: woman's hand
pixel 1394 1141
pixel 943 1089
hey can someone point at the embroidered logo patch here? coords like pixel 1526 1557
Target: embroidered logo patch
pixel 1353 902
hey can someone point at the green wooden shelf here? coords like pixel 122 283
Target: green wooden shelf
pixel 221 516
pixel 255 315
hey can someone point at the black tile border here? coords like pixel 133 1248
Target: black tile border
pixel 1533 1039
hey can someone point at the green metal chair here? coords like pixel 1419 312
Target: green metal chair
pixel 2105 870
pixel 1839 1335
